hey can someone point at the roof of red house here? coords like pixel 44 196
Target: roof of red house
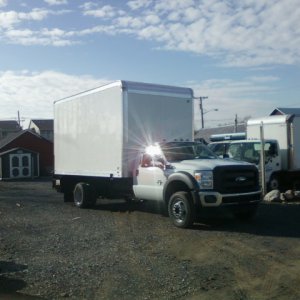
pixel 15 135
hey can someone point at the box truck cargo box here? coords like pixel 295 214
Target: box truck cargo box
pixel 286 130
pixel 98 132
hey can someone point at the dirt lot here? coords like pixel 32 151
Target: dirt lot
pixel 52 250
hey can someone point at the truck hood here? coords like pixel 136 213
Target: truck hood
pixel 205 164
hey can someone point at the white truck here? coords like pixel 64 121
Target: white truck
pixel 249 150
pixel 284 173
pixel 135 141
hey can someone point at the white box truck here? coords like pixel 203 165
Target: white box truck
pixel 135 141
pixel 286 130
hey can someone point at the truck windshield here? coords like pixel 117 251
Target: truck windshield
pixel 177 151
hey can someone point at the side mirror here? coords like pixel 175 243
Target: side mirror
pixel 169 167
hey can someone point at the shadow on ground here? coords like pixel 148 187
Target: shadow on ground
pixel 272 219
pixel 9 286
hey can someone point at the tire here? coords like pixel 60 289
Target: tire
pixel 84 195
pixel 181 210
pixel 246 213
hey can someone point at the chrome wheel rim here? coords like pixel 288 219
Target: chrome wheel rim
pixel 179 211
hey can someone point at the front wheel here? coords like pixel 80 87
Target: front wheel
pixel 181 210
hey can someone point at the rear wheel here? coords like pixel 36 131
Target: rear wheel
pixel 181 209
pixel 84 195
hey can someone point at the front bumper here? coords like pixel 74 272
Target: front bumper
pixel 215 199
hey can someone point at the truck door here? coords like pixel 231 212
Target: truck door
pixel 273 162
pixel 150 178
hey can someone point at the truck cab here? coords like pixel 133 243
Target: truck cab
pixel 250 151
pixel 187 176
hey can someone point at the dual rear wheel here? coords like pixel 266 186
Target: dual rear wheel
pixel 84 195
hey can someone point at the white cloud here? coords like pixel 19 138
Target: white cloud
pixel 44 37
pixel 106 11
pixel 130 22
pixel 234 97
pixel 88 5
pixel 56 2
pixel 35 96
pixel 137 4
pixel 246 33
pixel 264 78
pixel 10 18
pixel 3 3
pixel 235 33
pixel 14 33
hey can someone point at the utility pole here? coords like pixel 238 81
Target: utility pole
pixel 201 111
pixel 235 123
pixel 19 121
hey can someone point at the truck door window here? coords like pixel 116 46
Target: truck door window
pixel 146 161
pixel 272 150
pixel 218 149
pixel 235 151
pixel 152 161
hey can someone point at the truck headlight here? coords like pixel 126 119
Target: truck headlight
pixel 205 179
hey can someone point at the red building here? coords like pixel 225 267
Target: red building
pixel 37 149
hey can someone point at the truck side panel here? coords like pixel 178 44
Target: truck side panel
pixel 150 118
pixel 272 130
pixel 286 131
pixel 102 131
pixel 295 140
pixel 87 126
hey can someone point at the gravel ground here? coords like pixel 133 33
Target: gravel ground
pixel 53 250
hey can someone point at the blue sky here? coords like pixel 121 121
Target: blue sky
pixel 243 55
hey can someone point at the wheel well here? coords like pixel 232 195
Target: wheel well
pixel 175 186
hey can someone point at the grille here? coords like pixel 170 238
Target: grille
pixel 236 179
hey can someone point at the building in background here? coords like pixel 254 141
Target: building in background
pixel 42 127
pixel 18 163
pixel 26 154
pixel 285 111
pixel 8 127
